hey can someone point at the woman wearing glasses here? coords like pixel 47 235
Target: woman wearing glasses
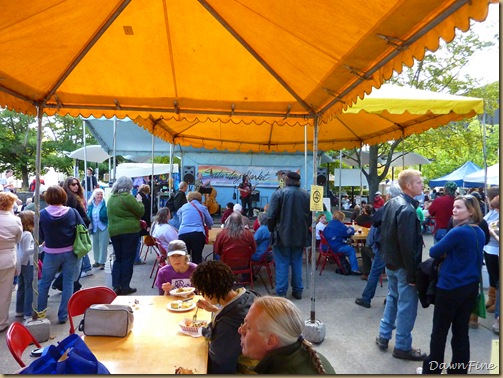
pixel 457 287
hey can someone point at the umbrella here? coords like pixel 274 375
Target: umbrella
pixel 93 153
pixel 409 158
pixel 476 179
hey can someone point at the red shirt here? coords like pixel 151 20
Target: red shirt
pixel 224 241
pixel 378 202
pixel 441 210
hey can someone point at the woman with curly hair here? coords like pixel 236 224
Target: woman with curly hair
pixel 272 333
pixel 214 281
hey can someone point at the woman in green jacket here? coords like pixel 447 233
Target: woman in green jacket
pixel 124 213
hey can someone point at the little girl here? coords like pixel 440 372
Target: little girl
pixel 25 249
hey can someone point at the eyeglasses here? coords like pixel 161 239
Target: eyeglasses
pixel 74 183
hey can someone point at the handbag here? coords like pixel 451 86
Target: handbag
pixel 70 356
pixel 107 320
pixel 82 243
pixel 426 281
pixel 480 302
pixel 206 229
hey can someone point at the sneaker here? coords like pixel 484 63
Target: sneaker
pixel 356 273
pixel 382 343
pixel 361 302
pixel 86 274
pixel 297 295
pixel 412 354
pixel 419 370
pixel 96 265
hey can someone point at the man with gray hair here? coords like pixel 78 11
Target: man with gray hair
pixel 401 248
pixel 373 242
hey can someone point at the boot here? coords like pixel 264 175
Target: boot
pixel 474 321
pixel 491 300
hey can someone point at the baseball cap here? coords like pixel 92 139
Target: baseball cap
pixel 177 247
pixel 378 193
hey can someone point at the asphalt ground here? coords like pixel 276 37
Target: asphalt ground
pixel 349 342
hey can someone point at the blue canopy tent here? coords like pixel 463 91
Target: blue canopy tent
pixel 457 175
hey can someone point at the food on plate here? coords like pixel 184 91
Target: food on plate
pixel 184 289
pixel 196 324
pixel 180 304
pixel 181 370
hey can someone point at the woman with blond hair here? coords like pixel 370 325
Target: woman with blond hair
pixel 272 333
pixel 11 231
pixel 97 212
pixel 193 215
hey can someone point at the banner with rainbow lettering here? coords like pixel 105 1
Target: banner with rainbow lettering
pixel 229 175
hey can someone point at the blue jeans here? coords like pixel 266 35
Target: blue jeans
pixel 67 261
pixel 86 263
pixel 100 245
pixel 349 251
pixel 24 295
pixel 137 258
pixel 125 252
pixel 400 311
pixel 378 265
pixel 285 257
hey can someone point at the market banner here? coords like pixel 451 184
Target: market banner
pixel 230 175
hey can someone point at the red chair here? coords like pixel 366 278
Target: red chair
pixel 239 260
pixel 18 338
pixel 81 300
pixel 327 254
pixel 160 260
pixel 258 265
pixel 149 242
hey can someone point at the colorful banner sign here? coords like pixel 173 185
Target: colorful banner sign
pixel 229 175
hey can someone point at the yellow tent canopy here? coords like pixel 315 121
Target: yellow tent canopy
pixel 219 60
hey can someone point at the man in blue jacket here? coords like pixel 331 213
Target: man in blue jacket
pixel 288 219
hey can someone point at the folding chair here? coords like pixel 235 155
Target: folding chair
pixel 81 300
pixel 327 253
pixel 18 338
pixel 239 260
pixel 149 242
pixel 160 260
pixel 258 265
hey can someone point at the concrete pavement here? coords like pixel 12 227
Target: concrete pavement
pixel 350 329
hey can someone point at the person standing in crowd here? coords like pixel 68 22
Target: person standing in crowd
pixel 89 183
pixel 76 200
pixel 214 280
pixel 180 199
pixel 161 230
pixel 401 249
pixel 492 249
pixel 178 270
pixel 97 212
pixel 57 231
pixel 245 189
pixel 25 250
pixel 11 232
pixel 288 220
pixel 374 242
pixel 457 287
pixel 441 210
pixel 494 230
pixel 145 198
pixel 10 181
pixel 262 237
pixel 124 214
pixel 337 234
pixel 272 334
pixel 378 201
pixel 193 215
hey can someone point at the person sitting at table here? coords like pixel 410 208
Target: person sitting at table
pixel 234 236
pixel 357 210
pixel 321 223
pixel 272 333
pixel 365 218
pixel 337 235
pixel 177 273
pixel 256 224
pixel 161 230
pixel 263 239
pixel 214 281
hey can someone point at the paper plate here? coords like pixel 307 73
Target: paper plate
pixel 192 306
pixel 186 291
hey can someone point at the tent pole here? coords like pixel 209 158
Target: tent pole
pixel 340 179
pixel 305 157
pixel 171 181
pixel 115 148
pixel 313 225
pixel 484 150
pixel 152 181
pixel 85 156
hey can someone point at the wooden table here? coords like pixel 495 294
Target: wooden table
pixel 155 345
pixel 358 237
pixel 213 234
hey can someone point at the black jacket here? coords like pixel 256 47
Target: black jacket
pixel 289 218
pixel 401 239
pixel 180 200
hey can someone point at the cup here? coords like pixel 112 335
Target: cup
pixel 359 230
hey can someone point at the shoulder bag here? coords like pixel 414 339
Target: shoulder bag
pixel 82 243
pixel 107 320
pixel 206 229
pixel 480 302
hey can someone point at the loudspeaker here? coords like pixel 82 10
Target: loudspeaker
pixel 189 174
pixel 322 176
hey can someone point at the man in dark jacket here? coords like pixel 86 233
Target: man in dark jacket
pixel 401 247
pixel 288 220
pixel 179 200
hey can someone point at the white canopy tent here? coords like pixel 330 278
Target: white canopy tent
pixel 477 178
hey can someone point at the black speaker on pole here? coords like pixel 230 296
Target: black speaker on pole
pixel 321 176
pixel 189 174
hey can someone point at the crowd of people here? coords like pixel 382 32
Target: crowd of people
pixel 244 326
